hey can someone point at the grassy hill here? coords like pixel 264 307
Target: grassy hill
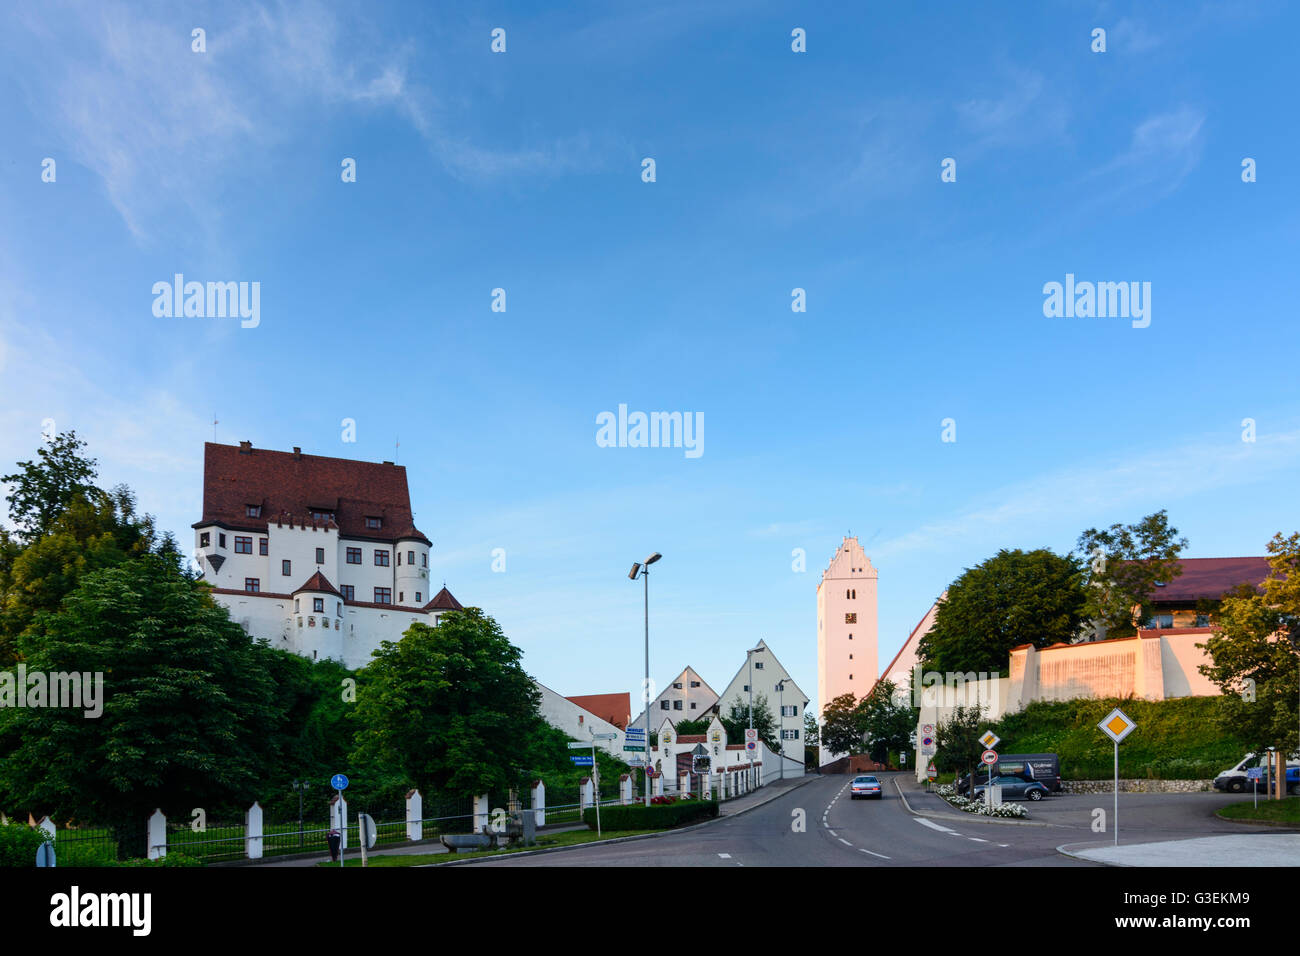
pixel 1175 739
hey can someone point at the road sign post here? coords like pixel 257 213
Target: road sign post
pixel 1116 725
pixel 989 758
pixel 340 783
pixel 1255 775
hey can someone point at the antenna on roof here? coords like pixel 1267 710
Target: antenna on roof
pixel 214 428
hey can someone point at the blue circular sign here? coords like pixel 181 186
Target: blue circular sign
pixel 339 781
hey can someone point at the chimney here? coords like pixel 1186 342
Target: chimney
pixel 388 463
pixel 297 452
pixel 245 447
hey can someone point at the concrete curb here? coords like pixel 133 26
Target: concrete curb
pixel 960 817
pixel 629 839
pixel 1218 815
pixel 1087 859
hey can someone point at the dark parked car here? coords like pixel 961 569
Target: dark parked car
pixel 1015 788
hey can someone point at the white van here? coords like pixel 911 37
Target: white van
pixel 1233 780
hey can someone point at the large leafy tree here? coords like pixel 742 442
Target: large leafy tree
pixel 191 713
pixel 43 487
pixel 842 729
pixel 1013 598
pixel 886 723
pixel 1122 564
pixel 448 706
pixel 956 739
pixel 736 721
pixel 1254 653
pixel 811 739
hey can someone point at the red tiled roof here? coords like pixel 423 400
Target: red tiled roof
pixel 614 708
pixel 1211 578
pixel 443 601
pixel 691 738
pixel 318 582
pixel 288 484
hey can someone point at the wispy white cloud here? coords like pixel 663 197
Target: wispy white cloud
pixel 1162 151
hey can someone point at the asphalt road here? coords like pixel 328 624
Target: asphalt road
pixel 838 831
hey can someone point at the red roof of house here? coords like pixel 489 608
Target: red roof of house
pixel 614 708
pixel 443 601
pixel 1211 578
pixel 289 485
pixel 691 738
pixel 318 582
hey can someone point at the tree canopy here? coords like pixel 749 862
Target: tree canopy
pixel 1122 565
pixel 736 721
pixel 1013 598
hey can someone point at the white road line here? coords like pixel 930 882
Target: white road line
pixel 832 833
pixel 933 826
pixel 844 841
pixel 977 840
pixel 725 856
pixel 1004 845
pixel 873 853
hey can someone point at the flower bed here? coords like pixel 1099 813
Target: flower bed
pixel 1010 811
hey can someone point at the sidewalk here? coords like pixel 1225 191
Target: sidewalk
pixel 1246 850
pixel 731 808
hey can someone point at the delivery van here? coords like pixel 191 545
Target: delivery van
pixel 1233 780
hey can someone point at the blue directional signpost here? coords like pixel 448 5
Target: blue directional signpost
pixel 340 783
pixel 1254 775
pixel 582 760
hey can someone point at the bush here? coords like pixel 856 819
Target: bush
pixel 19 843
pixel 171 859
pixel 661 816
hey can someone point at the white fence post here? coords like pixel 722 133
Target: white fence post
pixel 47 825
pixel 481 813
pixel 625 789
pixel 414 815
pixel 539 802
pixel 339 819
pixel 253 832
pixel 586 794
pixel 157 830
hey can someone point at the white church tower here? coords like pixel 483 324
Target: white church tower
pixel 846 628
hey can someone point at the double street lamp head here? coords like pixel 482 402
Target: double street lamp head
pixel 637 566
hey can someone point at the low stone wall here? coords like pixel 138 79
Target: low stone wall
pixel 1136 786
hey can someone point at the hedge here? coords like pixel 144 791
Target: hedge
pixel 661 817
pixel 19 843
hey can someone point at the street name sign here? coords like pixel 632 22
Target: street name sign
pixel 579 745
pixel 990 740
pixel 581 760
pixel 1117 725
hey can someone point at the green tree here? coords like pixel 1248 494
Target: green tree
pixel 190 709
pixel 1122 565
pixel 736 720
pixel 43 487
pixel 447 706
pixel 1013 598
pixel 842 729
pixel 692 726
pixel 956 740
pixel 886 723
pixel 811 740
pixel 1254 654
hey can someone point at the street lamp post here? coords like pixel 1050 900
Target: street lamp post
pixel 644 571
pixel 780 724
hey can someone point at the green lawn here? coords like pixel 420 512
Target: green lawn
pixel 1269 811
pixel 567 838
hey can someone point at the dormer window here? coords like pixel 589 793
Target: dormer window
pixel 374 523
pixel 321 515
pixel 252 511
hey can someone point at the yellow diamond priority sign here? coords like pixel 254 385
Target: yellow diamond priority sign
pixel 990 740
pixel 1117 725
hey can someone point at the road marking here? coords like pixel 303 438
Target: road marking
pixel 873 853
pixel 977 840
pixel 933 826
pixel 832 832
pixel 725 856
pixel 1004 845
pixel 844 841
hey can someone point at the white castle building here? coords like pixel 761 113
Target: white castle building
pixel 320 556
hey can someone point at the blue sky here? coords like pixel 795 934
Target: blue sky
pixel 775 170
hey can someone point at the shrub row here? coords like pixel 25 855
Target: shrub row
pixel 654 817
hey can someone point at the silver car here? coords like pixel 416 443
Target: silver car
pixel 867 787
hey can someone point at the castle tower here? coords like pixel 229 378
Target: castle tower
pixel 846 628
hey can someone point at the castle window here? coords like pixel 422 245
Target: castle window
pixel 354 555
pixel 252 511
pixel 297 604
pixel 339 612
pixel 320 555
pixel 418 597
pixel 348 591
pixel 221 541
pixel 263 546
pixel 401 597
pixel 252 585
pixel 205 539
pixel 424 559
pixel 410 557
pixel 663 705
pixel 695 683
pixel 677 705
pixel 286 567
pixel 850 637
pixel 381 558
pixel 318 605
pixel 850 657
pixel 851 618
pixel 375 523
pixel 758 665
pixel 243 545
pixel 383 595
